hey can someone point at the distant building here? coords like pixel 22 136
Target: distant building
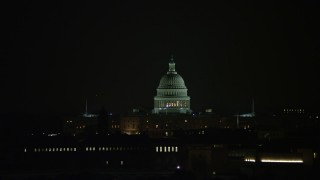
pixel 172 94
pixel 293 111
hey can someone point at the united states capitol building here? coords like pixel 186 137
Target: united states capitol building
pixel 172 93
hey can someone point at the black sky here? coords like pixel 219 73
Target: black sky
pixel 54 55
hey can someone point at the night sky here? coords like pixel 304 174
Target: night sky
pixel 55 55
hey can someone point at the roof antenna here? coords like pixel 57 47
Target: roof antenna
pixel 86 106
pixel 238 124
pixel 253 114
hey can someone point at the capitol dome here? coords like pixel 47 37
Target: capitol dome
pixel 172 94
pixel 172 81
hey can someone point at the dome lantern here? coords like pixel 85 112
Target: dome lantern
pixel 172 67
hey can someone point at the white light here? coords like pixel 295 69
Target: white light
pixel 281 161
pixel 250 160
pixel 178 167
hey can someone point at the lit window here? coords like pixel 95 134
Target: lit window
pixel 35 150
pixel 49 149
pixel 87 148
pixel 93 148
pixel 185 120
pixel 157 126
pixel 160 149
pixel 157 149
pixel 165 149
pixel 121 163
pixel 176 149
pixel 169 148
pixel 103 149
pixel 74 149
pixel 67 149
pixel 60 149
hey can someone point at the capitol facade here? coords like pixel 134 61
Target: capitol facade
pixel 172 96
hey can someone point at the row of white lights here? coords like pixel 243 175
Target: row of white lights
pixel 275 160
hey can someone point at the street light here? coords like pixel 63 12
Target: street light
pixel 166 109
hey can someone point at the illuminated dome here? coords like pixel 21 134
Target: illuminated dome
pixel 172 81
pixel 172 94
